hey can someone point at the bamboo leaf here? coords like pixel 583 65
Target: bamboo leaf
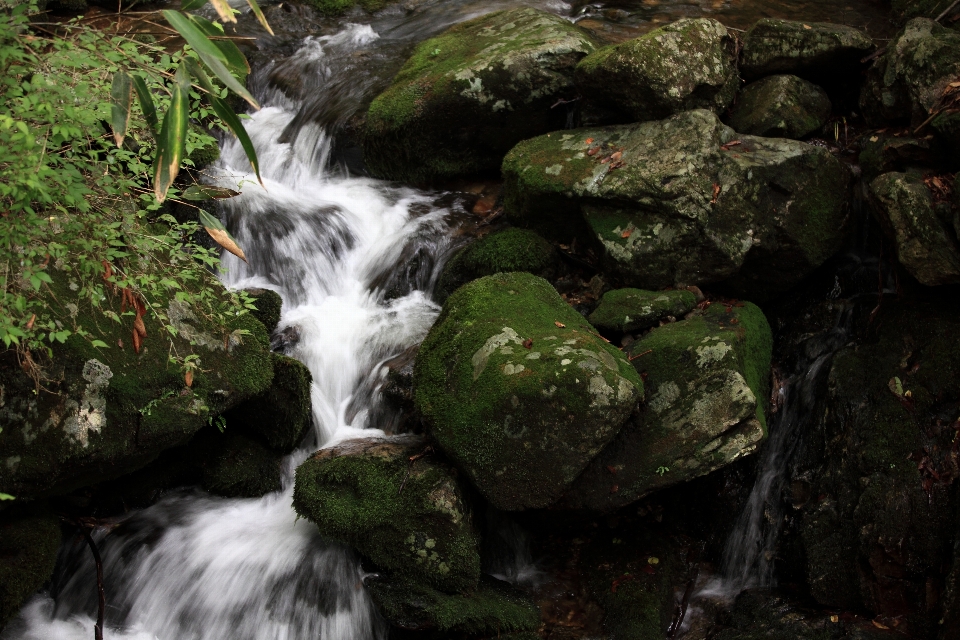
pixel 146 103
pixel 219 233
pixel 224 10
pixel 201 192
pixel 235 60
pixel 173 135
pixel 257 12
pixel 121 94
pixel 202 79
pixel 230 119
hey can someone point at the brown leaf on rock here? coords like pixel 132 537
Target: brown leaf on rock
pixel 137 341
pixel 716 193
pixel 188 377
pixel 528 344
pixel 559 324
pixel 627 233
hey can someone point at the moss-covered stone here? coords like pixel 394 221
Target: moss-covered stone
pixel 102 412
pixel 29 541
pixel 282 415
pixel 926 247
pixel 885 152
pixel 690 64
pixel 628 310
pixel 508 250
pixel 338 7
pixel 397 505
pixel 709 382
pixel 269 305
pixel 781 106
pixel 670 202
pixel 518 389
pixel 468 95
pixel 492 609
pixel 907 82
pixel 239 467
pixel 813 50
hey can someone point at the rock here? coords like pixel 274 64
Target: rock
pixel 883 153
pixel 947 127
pixel 646 191
pixel 493 608
pixel 880 534
pixel 268 305
pixel 907 82
pixel 629 310
pixel 518 390
pixel 468 95
pixel 282 415
pixel 708 380
pixel 689 64
pixel 238 467
pixel 903 10
pixel 926 247
pixel 812 50
pixel 508 250
pixel 29 541
pixel 781 106
pixel 396 503
pixel 106 411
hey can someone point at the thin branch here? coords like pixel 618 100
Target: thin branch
pixel 946 11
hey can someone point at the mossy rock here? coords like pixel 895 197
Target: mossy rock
pixel 468 95
pixel 629 310
pixel 671 203
pixel 781 106
pixel 947 127
pixel 885 152
pixel 906 83
pixel 904 10
pixel 397 504
pixel 518 390
pixel 708 380
pixel 339 7
pixel 690 64
pixel 491 609
pixel 29 541
pixel 812 50
pixel 508 250
pixel 926 247
pixel 203 157
pixel 103 412
pixel 235 466
pixel 282 415
pixel 269 306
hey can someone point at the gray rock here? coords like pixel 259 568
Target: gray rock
pixel 885 152
pixel 689 64
pixel 782 106
pixel 628 310
pixel 808 49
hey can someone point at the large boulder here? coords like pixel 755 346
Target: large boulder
pixel 629 310
pixel 813 50
pixel 685 201
pixel 781 106
pixel 519 390
pixel 29 541
pixel 882 152
pixel 397 504
pixel 926 245
pixel 708 380
pixel 907 82
pixel 690 64
pixel 468 95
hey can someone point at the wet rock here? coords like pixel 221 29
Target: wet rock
pixel 509 250
pixel 813 50
pixel 906 83
pixel 468 95
pixel 396 503
pixel 518 390
pixel 269 304
pixel 685 200
pixel 926 246
pixel 628 310
pixel 29 541
pixel 235 466
pixel 398 386
pixel 106 411
pixel 782 106
pixel 707 380
pixel 689 64
pixel 282 415
pixel 493 608
pixel 879 534
pixel 883 153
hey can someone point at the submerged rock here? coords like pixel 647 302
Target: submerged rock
pixel 926 246
pixel 708 383
pixel 690 64
pixel 29 541
pixel 809 49
pixel 468 95
pixel 395 503
pixel 518 390
pixel 781 106
pixel 685 200
pixel 628 310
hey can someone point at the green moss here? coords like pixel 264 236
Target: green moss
pixel 238 467
pixel 29 541
pixel 904 10
pixel 781 106
pixel 508 250
pixel 332 7
pixel 627 310
pixel 269 305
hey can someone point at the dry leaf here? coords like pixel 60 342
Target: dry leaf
pixel 834 618
pixel 716 193
pixel 139 327
pixel 136 341
pixel 729 145
pixel 627 233
pixel 593 151
pixel 188 377
pixel 879 625
pixel 528 344
pixel 223 239
pixel 107 270
pixel 559 324
pixel 806 26
pixel 588 141
pixel 30 322
pixel 615 156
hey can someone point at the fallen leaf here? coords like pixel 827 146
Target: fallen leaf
pixel 653 560
pixel 559 324
pixel 627 233
pixel 879 625
pixel 593 151
pixel 729 145
pixel 528 344
pixel 30 322
pixel 874 138
pixel 834 618
pixel 716 193
pixel 615 156
pixel 588 141
pixel 806 26
pixel 139 327
pixel 188 377
pixel 136 341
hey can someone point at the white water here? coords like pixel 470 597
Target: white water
pixel 196 567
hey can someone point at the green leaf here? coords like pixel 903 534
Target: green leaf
pixel 6 496
pixel 191 5
pixel 202 79
pixel 225 113
pixel 235 60
pixel 173 135
pixel 201 192
pixel 98 344
pixel 257 12
pixel 146 103
pixel 121 94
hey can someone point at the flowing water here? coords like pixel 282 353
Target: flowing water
pixel 354 260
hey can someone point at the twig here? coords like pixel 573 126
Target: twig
pixel 85 525
pixel 427 451
pixel 946 11
pixel 632 358
pixel 876 54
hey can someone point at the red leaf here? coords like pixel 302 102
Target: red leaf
pixel 528 343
